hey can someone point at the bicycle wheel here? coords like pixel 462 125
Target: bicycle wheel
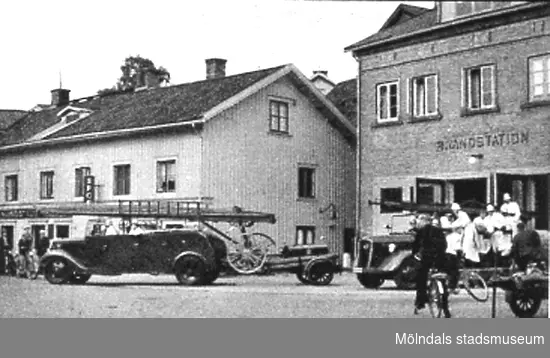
pixel 248 257
pixel 471 280
pixel 435 298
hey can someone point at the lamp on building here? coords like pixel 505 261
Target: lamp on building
pixel 474 158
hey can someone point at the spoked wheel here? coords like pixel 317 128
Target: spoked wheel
pixel 524 303
pixel 302 277
pixel 57 271
pixel 79 278
pixel 476 286
pixel 190 270
pixel 320 273
pixel 249 255
pixel 435 298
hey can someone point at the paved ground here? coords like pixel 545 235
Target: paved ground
pixel 253 296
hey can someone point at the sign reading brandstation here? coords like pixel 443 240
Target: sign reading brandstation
pixel 89 188
pixel 500 139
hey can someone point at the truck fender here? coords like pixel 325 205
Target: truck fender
pixel 52 254
pixel 392 262
pixel 324 260
pixel 189 253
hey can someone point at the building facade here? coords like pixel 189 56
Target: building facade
pixel 454 107
pixel 265 141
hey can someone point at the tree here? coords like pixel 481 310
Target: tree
pixel 133 67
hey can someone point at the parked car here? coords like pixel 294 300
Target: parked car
pixel 193 256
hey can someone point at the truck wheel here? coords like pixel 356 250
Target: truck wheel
pixel 79 278
pixel 523 303
pixel 320 273
pixel 57 271
pixel 369 281
pixel 406 274
pixel 190 271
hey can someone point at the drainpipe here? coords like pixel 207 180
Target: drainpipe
pixel 358 151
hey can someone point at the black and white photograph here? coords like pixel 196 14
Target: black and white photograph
pixel 274 159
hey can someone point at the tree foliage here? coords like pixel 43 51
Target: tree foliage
pixel 133 67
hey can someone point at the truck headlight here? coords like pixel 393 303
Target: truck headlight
pixel 391 248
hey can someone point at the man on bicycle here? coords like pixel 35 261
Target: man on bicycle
pixel 429 245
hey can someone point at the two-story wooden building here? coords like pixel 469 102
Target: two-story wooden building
pixel 266 140
pixel 454 107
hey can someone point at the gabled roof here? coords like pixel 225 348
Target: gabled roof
pixel 402 13
pixel 165 107
pixel 322 77
pixel 9 116
pixel 344 97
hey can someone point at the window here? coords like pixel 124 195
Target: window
pixel 46 185
pixel 278 116
pixel 306 182
pixel 425 96
pixel 388 101
pixel 480 87
pixel 430 191
pixel 305 235
pixel 390 194
pixel 79 183
pixel 539 78
pixel 121 179
pixel 456 9
pixel 62 231
pixel 10 185
pixel 166 176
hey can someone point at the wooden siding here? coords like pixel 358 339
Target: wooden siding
pixel 140 153
pixel 246 165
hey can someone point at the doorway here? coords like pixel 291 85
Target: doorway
pixel 7 232
pixel 470 191
pixel 35 232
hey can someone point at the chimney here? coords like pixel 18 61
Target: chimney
pixel 215 68
pixel 325 73
pixel 140 78
pixel 60 97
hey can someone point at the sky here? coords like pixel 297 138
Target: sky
pixel 85 42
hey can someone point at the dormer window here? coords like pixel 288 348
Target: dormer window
pixel 459 9
pixel 71 114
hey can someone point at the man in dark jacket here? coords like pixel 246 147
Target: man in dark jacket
pixel 43 243
pixel 526 247
pixel 429 245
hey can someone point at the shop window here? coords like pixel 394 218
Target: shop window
pixel 390 194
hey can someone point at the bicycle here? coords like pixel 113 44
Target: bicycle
pixel 470 279
pixel 438 293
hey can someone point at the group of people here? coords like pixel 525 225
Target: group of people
pixel 29 251
pixel 444 242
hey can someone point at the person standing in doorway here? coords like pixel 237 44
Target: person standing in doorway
pixel 43 243
pixel 25 247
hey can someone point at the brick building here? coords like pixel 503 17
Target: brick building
pixel 455 107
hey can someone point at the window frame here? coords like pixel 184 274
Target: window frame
pixel 79 192
pixel 388 84
pixel 414 101
pixel 305 229
pixel 384 209
pixel 278 117
pixel 115 181
pixel 312 184
pixel 49 187
pixel 6 178
pixel 467 88
pixel 165 161
pixel 545 97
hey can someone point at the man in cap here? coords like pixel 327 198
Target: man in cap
pixel 429 246
pixel 512 213
pixel 25 247
pixel 496 223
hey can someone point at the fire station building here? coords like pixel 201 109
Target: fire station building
pixel 455 107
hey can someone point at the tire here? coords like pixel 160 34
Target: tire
pixel 320 273
pixel 405 279
pixel 436 290
pixel 212 276
pixel 79 278
pixel 370 281
pixel 524 304
pixel 470 281
pixel 302 277
pixel 57 271
pixel 190 271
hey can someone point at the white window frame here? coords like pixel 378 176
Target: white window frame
pixel 158 161
pixel 468 90
pixel 114 182
pixel 40 193
pixel 415 111
pixel 18 191
pixel 545 78
pixel 279 103
pixel 388 103
pixel 313 168
pixel 83 184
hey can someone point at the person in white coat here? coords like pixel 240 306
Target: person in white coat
pixel 512 213
pixel 496 223
pixel 464 226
